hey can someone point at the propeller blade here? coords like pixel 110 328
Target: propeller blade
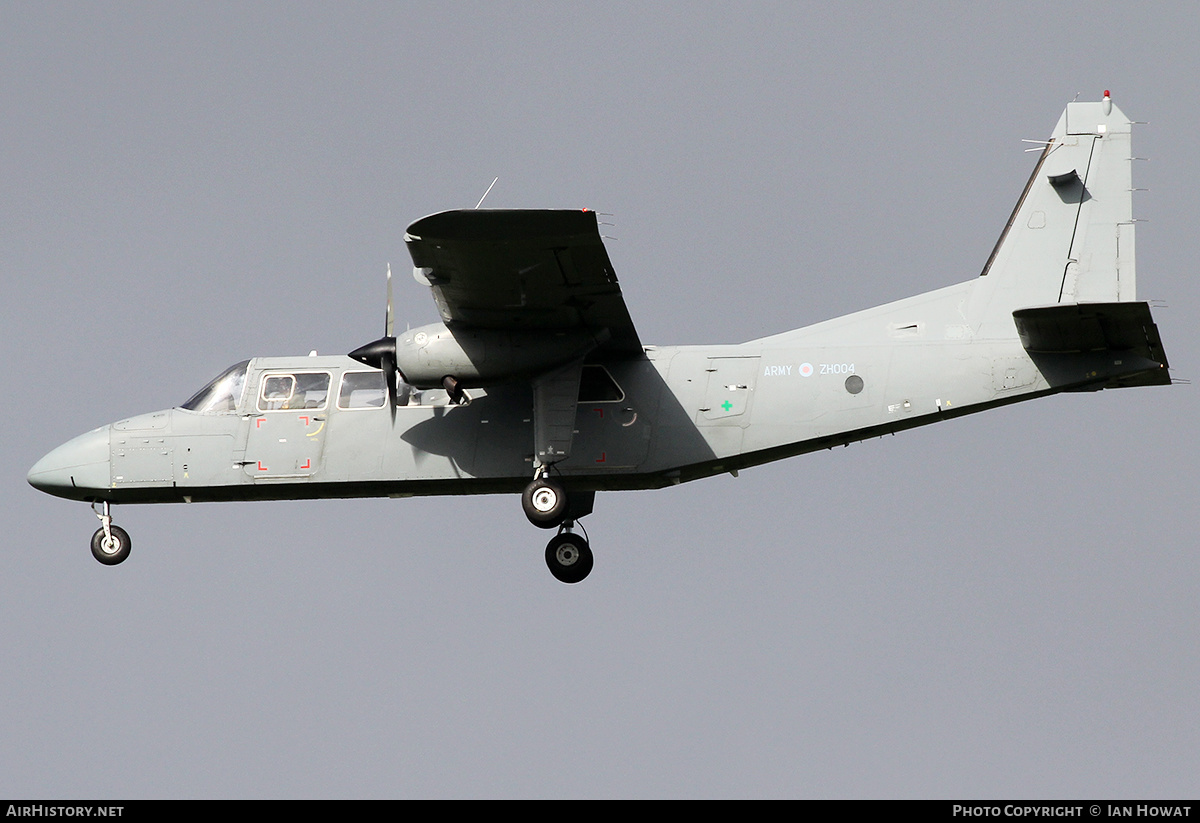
pixel 389 318
pixel 381 354
pixel 389 376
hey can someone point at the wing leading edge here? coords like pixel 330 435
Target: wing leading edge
pixel 525 270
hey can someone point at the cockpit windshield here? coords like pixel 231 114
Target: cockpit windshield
pixel 224 393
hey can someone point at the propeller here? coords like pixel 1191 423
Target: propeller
pixel 381 353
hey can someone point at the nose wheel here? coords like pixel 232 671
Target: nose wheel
pixel 110 544
pixel 569 557
pixel 112 548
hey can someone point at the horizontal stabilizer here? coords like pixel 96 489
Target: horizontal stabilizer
pixel 1115 344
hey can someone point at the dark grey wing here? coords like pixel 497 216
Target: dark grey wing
pixel 521 270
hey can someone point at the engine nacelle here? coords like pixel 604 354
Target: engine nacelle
pixel 485 357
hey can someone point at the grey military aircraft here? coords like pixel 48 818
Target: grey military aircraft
pixel 536 382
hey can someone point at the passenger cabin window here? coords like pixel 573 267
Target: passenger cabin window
pixel 596 385
pixel 288 392
pixel 366 390
pixel 362 390
pixel 223 394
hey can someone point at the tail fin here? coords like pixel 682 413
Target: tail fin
pixel 1070 237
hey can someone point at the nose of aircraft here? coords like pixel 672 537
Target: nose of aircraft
pixel 76 468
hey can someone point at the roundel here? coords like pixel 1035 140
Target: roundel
pixel 806 370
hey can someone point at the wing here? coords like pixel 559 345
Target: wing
pixel 521 270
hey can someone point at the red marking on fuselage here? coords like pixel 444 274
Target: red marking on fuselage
pixel 307 464
pixel 258 422
pixel 599 412
pixel 304 417
pixel 602 458
pixel 261 467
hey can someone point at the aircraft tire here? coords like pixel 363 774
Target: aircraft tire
pixel 545 503
pixel 569 558
pixel 113 554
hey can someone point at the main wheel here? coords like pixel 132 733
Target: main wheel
pixel 569 558
pixel 545 503
pixel 110 553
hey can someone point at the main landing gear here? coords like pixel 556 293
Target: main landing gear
pixel 568 555
pixel 546 505
pixel 110 544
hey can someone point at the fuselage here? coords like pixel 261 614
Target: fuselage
pixel 320 426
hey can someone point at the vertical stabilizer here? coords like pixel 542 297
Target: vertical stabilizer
pixel 1070 237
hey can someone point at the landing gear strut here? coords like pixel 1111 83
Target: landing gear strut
pixel 568 555
pixel 110 544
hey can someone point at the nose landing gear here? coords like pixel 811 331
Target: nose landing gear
pixel 110 544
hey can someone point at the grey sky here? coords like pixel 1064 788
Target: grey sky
pixel 1001 605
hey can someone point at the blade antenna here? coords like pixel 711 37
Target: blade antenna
pixel 485 194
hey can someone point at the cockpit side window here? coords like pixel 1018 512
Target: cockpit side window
pixel 286 392
pixel 223 394
pixel 276 392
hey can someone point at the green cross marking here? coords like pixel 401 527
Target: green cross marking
pixel 727 405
